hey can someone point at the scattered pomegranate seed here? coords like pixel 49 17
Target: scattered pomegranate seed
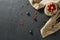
pixel 35 20
pixel 44 21
pixel 35 13
pixel 21 23
pixel 28 13
pixel 31 32
pixel 35 16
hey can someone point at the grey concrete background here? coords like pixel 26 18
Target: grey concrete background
pixel 10 17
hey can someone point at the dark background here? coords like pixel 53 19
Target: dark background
pixel 12 12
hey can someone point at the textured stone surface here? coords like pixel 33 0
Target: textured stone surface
pixel 14 11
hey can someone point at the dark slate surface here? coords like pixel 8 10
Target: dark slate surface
pixel 12 12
